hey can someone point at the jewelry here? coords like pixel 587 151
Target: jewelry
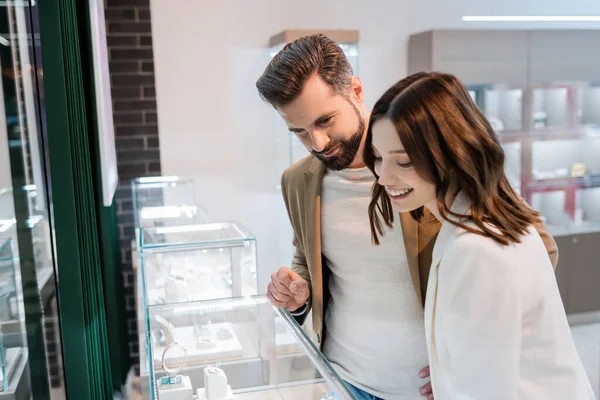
pixel 174 371
pixel 167 328
pixel 171 381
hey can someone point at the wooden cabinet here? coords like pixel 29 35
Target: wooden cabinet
pixel 475 56
pixel 564 55
pixel 578 272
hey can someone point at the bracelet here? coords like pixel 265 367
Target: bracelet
pixel 174 371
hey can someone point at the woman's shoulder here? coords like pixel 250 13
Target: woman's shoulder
pixel 483 255
pixel 462 241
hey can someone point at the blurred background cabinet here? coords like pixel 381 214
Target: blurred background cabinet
pixel 546 110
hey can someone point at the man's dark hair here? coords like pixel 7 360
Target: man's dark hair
pixel 287 73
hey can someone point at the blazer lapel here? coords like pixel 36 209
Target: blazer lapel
pixel 410 233
pixel 313 177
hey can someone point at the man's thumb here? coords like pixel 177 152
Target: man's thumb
pixel 297 285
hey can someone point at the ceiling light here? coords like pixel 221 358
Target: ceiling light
pixel 531 18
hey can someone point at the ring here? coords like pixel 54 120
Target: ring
pixel 174 371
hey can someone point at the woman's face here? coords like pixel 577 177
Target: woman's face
pixel 407 190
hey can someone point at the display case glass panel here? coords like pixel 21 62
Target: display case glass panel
pixel 165 200
pixel 197 262
pixel 12 341
pixel 260 353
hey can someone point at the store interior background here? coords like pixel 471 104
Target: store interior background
pixel 202 116
pixel 214 128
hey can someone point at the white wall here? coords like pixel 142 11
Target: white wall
pixel 208 55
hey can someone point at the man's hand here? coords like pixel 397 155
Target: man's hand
pixel 287 289
pixel 427 390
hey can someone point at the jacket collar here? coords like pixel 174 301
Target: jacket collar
pixel 461 206
pixel 316 167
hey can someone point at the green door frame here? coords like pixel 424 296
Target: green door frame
pixel 72 154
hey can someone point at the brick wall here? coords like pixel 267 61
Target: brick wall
pixel 129 37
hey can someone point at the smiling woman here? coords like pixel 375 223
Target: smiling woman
pixel 492 299
pixel 433 138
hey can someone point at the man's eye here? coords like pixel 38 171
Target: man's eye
pixel 324 121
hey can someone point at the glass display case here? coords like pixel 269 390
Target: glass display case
pixel 37 222
pixel 551 137
pixel 12 346
pixel 193 262
pixel 197 262
pixel 9 310
pixel 165 200
pixel 240 348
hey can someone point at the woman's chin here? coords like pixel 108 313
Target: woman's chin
pixel 406 204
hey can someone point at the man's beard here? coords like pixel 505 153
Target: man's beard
pixel 347 148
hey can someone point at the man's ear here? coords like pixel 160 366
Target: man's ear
pixel 357 90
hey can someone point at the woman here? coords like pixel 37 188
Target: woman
pixel 495 324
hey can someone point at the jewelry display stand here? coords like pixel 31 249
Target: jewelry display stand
pixel 215 385
pixel 182 392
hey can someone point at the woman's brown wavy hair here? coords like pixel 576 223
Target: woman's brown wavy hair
pixel 452 145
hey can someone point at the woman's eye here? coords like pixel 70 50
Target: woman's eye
pixel 404 165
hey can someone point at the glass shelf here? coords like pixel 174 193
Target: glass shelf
pixel 552 159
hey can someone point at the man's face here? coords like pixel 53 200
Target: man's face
pixel 329 125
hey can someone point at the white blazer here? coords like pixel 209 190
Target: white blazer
pixel 495 323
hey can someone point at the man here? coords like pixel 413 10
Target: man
pixel 367 302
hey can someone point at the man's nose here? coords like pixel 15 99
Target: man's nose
pixel 320 141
